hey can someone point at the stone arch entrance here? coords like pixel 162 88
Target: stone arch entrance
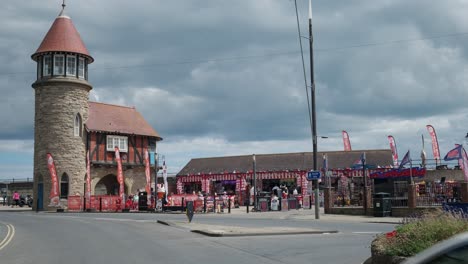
pixel 108 185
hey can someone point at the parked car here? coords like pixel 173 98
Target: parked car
pixel 452 250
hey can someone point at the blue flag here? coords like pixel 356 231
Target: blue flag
pixel 454 154
pixel 406 159
pixel 359 163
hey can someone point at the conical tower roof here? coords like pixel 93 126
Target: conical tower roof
pixel 63 36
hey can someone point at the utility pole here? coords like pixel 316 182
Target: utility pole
pixel 255 181
pixel 314 118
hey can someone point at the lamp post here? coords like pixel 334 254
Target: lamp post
pixel 255 180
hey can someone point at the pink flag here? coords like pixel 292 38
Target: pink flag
pixel 88 180
pixel 346 142
pixel 54 188
pixel 148 176
pixel 435 143
pixel 465 164
pixel 393 147
pixel 166 187
pixel 120 176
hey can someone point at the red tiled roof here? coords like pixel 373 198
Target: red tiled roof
pixel 118 119
pixel 63 36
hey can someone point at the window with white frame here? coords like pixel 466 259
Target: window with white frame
pixel 47 67
pixel 117 141
pixel 81 68
pixel 77 126
pixel 59 63
pixel 71 65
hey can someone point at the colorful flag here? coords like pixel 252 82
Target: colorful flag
pixel 54 188
pixel 359 163
pixel 435 143
pixel 346 142
pixel 454 154
pixel 423 153
pixel 465 163
pixel 165 177
pixel 406 159
pixel 120 176
pixel 393 147
pixel 148 176
pixel 88 180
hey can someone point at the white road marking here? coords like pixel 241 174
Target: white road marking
pixel 8 237
pixel 367 232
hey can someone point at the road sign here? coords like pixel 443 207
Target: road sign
pixel 313 175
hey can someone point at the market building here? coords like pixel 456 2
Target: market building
pixel 235 174
pixel 67 125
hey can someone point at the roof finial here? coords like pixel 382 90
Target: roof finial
pixel 62 13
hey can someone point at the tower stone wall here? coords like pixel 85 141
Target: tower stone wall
pixel 57 102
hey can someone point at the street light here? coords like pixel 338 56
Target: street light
pixel 255 180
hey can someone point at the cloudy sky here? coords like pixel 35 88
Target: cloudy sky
pixel 218 77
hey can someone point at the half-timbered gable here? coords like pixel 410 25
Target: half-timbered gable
pixel 109 126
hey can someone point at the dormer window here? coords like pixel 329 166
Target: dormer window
pixel 47 66
pixel 59 64
pixel 71 65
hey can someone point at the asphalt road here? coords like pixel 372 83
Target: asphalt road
pixel 137 238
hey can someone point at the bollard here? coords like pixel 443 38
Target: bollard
pixel 229 206
pixel 84 204
pixel 214 204
pixel 310 203
pixel 37 205
pixel 183 204
pixel 248 203
pixel 100 204
pixel 279 203
pixel 204 205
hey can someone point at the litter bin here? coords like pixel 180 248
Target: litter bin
pixel 142 201
pixel 262 204
pixel 382 204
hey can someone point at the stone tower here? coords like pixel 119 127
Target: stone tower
pixel 61 109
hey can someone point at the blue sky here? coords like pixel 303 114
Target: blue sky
pixel 219 77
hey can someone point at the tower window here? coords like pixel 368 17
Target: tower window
pixel 77 127
pixel 64 186
pixel 81 68
pixel 59 62
pixel 39 68
pixel 47 67
pixel 71 65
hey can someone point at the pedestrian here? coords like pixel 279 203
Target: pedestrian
pixel 16 198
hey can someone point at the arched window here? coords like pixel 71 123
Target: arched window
pixel 64 186
pixel 77 127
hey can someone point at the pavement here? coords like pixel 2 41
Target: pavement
pixel 6 208
pixel 301 214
